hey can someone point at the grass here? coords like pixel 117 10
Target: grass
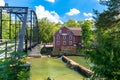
pixel 81 60
pixel 42 68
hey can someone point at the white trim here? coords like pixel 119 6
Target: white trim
pixel 64 34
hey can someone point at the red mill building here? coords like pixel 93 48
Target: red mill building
pixel 66 40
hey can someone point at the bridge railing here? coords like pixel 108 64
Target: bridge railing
pixel 7 47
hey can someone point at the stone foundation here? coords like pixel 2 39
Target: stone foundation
pixel 65 50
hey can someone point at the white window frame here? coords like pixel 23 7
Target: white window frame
pixel 64 37
pixel 70 37
pixel 68 31
pixel 64 42
pixel 58 42
pixel 58 37
pixel 70 42
pixel 60 31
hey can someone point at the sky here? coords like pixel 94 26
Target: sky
pixel 59 10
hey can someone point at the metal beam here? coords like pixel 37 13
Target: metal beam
pixel 22 33
pixel 0 23
pixel 14 10
pixel 10 26
pixel 20 17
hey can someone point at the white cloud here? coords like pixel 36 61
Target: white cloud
pixel 50 15
pixel 89 18
pixel 2 2
pixel 52 1
pixel 87 14
pixel 72 12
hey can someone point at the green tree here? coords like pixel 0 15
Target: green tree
pixel 47 29
pixel 106 55
pixel 9 29
pixel 5 26
pixel 80 22
pixel 71 23
pixel 87 33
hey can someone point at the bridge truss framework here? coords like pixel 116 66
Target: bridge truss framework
pixel 25 24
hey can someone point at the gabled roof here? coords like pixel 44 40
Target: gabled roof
pixel 76 31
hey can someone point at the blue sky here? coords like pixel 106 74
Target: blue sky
pixel 59 10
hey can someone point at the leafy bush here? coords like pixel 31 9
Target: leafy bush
pixel 23 75
pixel 10 67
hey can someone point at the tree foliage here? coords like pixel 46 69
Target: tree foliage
pixel 71 23
pixel 9 29
pixel 87 33
pixel 47 29
pixel 13 67
pixel 106 55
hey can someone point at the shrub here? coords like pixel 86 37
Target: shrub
pixel 10 67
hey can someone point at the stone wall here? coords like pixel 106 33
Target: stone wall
pixel 65 50
pixel 77 67
pixel 71 49
pixel 55 51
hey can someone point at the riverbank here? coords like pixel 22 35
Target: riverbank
pixel 77 67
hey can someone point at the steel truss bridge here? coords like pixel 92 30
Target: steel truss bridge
pixel 18 27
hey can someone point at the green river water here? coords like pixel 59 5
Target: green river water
pixel 42 68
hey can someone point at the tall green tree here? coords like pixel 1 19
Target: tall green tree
pixel 71 23
pixel 106 55
pixel 87 33
pixel 47 29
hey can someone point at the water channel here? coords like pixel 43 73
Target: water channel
pixel 42 68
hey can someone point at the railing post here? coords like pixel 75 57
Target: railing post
pixel 5 49
pixel 31 21
pixel 1 25
pixel 26 45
